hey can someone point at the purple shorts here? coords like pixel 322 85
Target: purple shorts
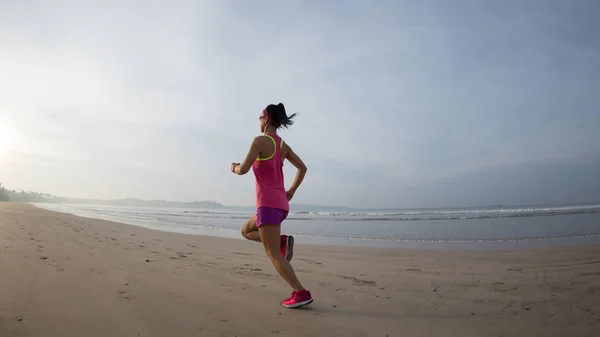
pixel 270 216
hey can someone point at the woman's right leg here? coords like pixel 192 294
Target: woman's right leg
pixel 249 230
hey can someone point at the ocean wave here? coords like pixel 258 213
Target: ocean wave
pixel 392 215
pixel 409 215
pixel 413 216
pixel 474 240
pixel 469 212
pixel 392 233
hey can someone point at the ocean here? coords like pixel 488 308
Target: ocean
pixel 451 228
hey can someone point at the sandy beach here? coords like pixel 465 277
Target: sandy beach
pixel 62 275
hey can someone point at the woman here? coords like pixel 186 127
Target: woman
pixel 266 156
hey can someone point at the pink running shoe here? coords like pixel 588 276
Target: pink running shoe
pixel 298 299
pixel 286 243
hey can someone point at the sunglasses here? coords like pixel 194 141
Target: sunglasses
pixel 264 115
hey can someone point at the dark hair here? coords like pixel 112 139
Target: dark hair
pixel 278 116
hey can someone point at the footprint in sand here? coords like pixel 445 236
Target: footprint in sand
pixel 358 282
pixel 311 261
pixel 593 290
pixel 589 274
pixel 123 295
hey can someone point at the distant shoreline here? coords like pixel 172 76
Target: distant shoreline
pixel 35 197
pixel 131 202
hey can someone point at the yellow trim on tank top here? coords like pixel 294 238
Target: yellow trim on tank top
pixel 275 146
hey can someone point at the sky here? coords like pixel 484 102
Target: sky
pixel 400 103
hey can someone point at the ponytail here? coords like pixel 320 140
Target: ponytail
pixel 279 117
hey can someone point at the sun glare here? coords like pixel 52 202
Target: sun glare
pixel 8 137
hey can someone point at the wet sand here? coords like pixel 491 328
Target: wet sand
pixel 63 275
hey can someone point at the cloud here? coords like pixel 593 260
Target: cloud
pixel 112 99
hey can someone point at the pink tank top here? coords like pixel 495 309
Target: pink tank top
pixel 270 188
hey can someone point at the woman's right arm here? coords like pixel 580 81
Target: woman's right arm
pixel 299 164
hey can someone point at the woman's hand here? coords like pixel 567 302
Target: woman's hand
pixel 290 194
pixel 232 167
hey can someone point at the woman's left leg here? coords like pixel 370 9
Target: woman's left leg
pixel 270 238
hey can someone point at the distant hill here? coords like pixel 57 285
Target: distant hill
pixel 23 196
pixel 317 208
pixel 26 196
pixel 35 197
pixel 133 202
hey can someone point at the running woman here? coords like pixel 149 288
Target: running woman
pixel 266 155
